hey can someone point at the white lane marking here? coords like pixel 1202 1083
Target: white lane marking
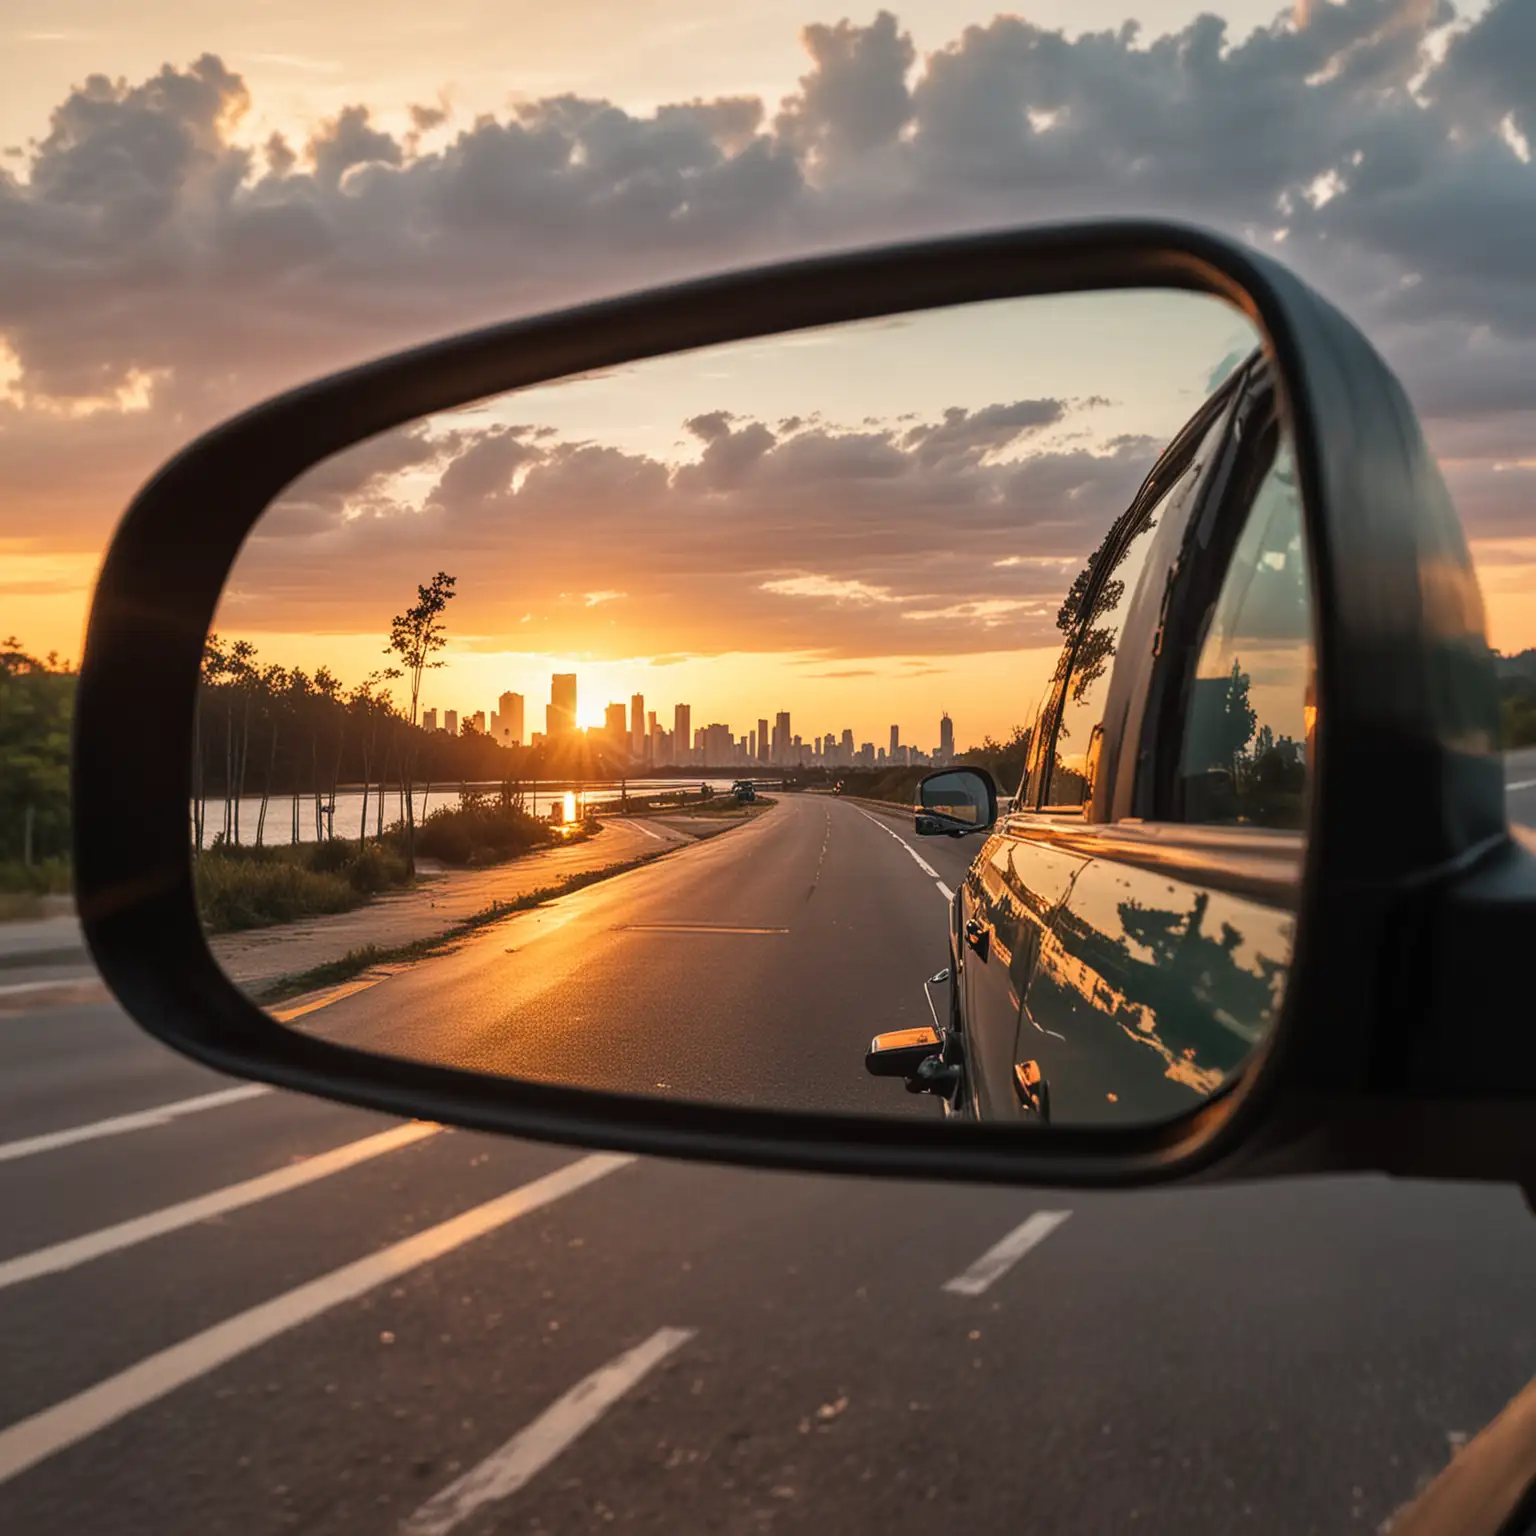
pixel 918 859
pixel 142 1120
pixel 1520 784
pixel 922 863
pixel 529 1451
pixel 73 979
pixel 30 1441
pixel 1003 1255
pixel 635 825
pixel 171 1218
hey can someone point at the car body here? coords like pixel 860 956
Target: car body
pixel 1117 955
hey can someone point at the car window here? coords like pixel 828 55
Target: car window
pixel 1091 652
pixel 1244 757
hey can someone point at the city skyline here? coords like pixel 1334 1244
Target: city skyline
pixel 635 730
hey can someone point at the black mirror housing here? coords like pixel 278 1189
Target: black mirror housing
pixel 1406 813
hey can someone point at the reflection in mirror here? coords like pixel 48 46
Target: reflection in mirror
pixel 574 736
pixel 957 800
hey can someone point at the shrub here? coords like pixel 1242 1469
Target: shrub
pixel 246 887
pixel 372 869
pixel 235 893
pixel 479 833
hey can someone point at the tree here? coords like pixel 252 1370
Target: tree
pixel 415 636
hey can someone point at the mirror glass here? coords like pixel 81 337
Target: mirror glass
pixel 575 735
pixel 960 796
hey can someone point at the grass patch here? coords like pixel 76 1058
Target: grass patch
pixel 356 961
pixel 240 888
pixel 42 877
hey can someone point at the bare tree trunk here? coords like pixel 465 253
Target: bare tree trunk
pixel 362 830
pixel 229 764
pixel 266 791
pixel 197 776
pixel 341 736
pixel 245 752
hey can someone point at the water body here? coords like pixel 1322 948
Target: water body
pixel 345 818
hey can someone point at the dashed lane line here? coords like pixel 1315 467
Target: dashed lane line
pixel 33 1440
pixel 120 1125
pixel 917 858
pixel 528 1452
pixel 233 1197
pixel 1004 1254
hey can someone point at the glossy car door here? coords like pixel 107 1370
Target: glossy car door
pixel 1016 886
pixel 1167 960
pixel 1011 898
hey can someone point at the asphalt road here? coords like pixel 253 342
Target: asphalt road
pixel 751 969
pixel 362 1327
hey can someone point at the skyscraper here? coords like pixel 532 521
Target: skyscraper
pixel 561 715
pixel 751 746
pixel 637 731
pixel 614 727
pixel 847 752
pixel 718 747
pixel 429 719
pixel 682 734
pixel 781 737
pixel 895 741
pixel 511 714
pixel 451 721
pixel 762 741
pixel 946 738
pixel 478 721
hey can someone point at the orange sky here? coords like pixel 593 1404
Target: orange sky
pixel 146 299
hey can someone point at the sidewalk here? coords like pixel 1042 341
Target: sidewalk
pixel 260 956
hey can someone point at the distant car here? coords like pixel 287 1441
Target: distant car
pixel 745 791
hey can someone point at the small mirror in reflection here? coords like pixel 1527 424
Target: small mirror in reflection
pixel 957 801
pixel 576 736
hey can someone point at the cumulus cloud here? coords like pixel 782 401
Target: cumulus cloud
pixel 155 263
pixel 836 541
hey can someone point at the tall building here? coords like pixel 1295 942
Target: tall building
pixel 561 715
pixel 751 746
pixel 846 756
pixel 429 719
pixel 478 721
pixel 652 732
pixel 614 727
pixel 781 743
pixel 946 738
pixel 762 741
pixel 718 747
pixel 637 731
pixel 511 720
pixel 682 733
pixel 451 721
pixel 895 741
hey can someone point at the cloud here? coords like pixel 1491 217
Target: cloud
pixel 829 542
pixel 148 252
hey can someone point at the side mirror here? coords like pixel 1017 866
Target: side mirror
pixel 901 1052
pixel 955 802
pixel 1199 871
